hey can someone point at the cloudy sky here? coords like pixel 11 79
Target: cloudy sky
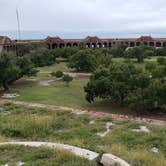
pixel 80 16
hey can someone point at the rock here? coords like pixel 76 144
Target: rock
pixel 111 160
pixel 92 122
pixel 2 109
pixel 154 150
pixel 142 129
pixel 10 95
pixel 20 163
pixel 108 125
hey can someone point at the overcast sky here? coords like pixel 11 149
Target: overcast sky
pixel 115 16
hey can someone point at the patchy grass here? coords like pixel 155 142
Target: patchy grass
pixel 40 156
pixel 27 124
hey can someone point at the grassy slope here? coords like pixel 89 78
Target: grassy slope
pixel 27 124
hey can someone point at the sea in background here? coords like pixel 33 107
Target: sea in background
pixel 77 35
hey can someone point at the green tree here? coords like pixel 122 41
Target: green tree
pixel 57 74
pixel 83 60
pixel 13 68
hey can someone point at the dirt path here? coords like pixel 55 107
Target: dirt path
pixel 87 112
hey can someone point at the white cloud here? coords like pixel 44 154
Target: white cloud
pixel 85 15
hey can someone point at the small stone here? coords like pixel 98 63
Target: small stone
pixel 154 150
pixel 92 122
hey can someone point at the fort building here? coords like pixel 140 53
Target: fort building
pixel 6 44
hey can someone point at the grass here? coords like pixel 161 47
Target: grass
pixel 40 156
pixel 72 96
pixel 27 124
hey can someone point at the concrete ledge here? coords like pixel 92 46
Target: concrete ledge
pixel 105 159
pixel 77 151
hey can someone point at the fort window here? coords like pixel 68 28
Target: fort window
pixel 68 45
pixel 158 44
pixel 99 45
pixel 110 44
pixel 87 45
pixel 104 45
pixel 145 43
pixel 75 44
pixel 54 46
pixel 164 44
pixel 132 44
pixel 151 44
pixel 61 45
pixel 138 44
pixel 93 45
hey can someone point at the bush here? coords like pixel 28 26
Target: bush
pixel 130 86
pixel 57 74
pixel 161 61
pixel 67 78
pixel 42 57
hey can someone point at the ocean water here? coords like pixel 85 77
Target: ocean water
pixel 76 35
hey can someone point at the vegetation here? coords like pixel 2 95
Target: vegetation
pixel 42 57
pixel 13 68
pixel 29 124
pixel 40 156
pixel 67 79
pixel 128 85
pixel 89 60
pixel 57 74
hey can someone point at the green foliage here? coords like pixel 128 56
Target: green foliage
pixel 140 53
pixel 13 68
pixel 57 74
pixel 161 61
pixel 128 85
pixel 67 78
pixel 89 60
pixel 161 51
pixel 42 57
pixel 83 60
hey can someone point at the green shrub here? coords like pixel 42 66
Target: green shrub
pixel 67 78
pixel 57 74
pixel 161 61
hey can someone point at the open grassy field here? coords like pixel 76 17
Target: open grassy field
pixel 31 90
pixel 12 155
pixel 27 124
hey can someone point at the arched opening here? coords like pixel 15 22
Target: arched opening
pixel 164 44
pixel 61 45
pixel 145 43
pixel 110 45
pixel 68 45
pixel 151 44
pixel 132 44
pixel 127 44
pixel 138 43
pixel 158 44
pixel 94 45
pixel 99 45
pixel 54 46
pixel 75 44
pixel 87 45
pixel 105 45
